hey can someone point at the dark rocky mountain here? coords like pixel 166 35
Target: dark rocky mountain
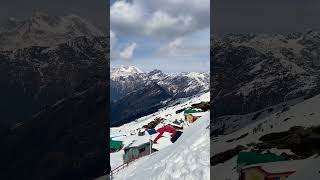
pixel 138 103
pixel 251 72
pixel 53 87
pixel 34 77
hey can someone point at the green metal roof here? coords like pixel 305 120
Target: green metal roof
pixel 115 144
pixel 190 111
pixel 249 158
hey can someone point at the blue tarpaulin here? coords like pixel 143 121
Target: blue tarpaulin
pixel 151 131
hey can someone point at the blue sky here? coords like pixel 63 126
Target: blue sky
pixel 170 35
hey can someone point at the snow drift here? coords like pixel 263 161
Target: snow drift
pixel 187 158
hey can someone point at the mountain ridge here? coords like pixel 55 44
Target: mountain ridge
pixel 250 77
pixel 44 30
pixel 123 81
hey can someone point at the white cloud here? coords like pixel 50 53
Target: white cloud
pixel 125 15
pixel 165 19
pixel 162 25
pixel 125 53
pixel 163 28
pixel 174 48
pixel 196 44
pixel 113 39
pixel 128 51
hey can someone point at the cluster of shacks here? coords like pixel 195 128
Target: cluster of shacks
pixel 144 147
pixel 140 149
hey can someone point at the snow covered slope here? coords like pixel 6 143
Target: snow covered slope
pixel 310 170
pixel 187 158
pixel 192 146
pixel 304 114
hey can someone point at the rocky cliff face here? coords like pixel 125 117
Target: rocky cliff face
pixel 54 95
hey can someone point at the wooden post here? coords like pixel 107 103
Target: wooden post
pixel 150 144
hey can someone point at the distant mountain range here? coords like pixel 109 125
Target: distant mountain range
pixel 127 79
pixel 135 93
pixel 254 71
pixel 44 30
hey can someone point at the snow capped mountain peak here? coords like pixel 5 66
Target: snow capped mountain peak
pixel 125 71
pixel 131 69
pixel 194 74
pixel 155 71
pixel 156 74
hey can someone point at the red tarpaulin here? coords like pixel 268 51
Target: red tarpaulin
pixel 166 128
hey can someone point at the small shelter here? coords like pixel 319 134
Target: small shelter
pixel 134 152
pixel 192 117
pixel 115 145
pixel 255 166
pixel 279 170
pixel 190 114
pixel 141 132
